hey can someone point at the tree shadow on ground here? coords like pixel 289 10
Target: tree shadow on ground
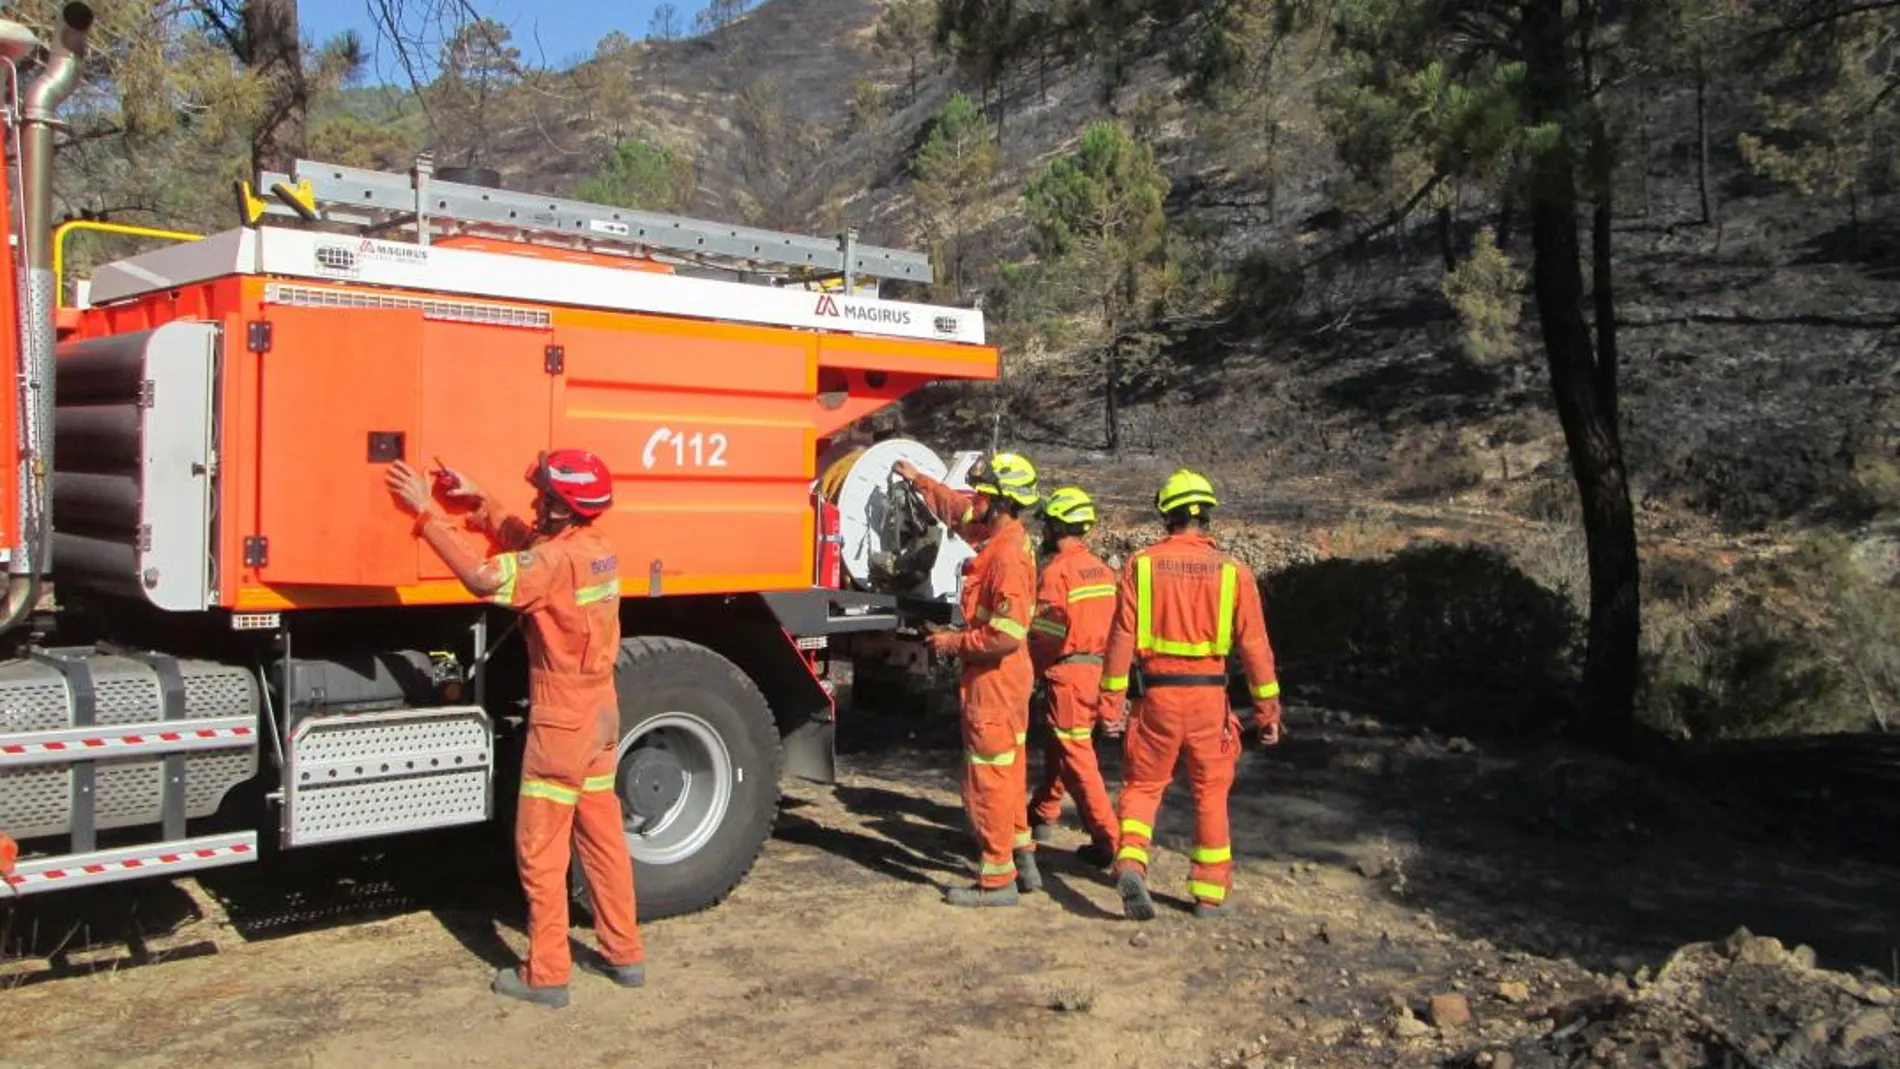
pixel 1416 635
pixel 1428 688
pixel 1872 245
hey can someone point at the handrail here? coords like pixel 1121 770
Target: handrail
pixel 62 230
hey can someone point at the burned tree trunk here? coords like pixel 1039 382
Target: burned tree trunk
pixel 1583 391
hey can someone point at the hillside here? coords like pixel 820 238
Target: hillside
pixel 1328 390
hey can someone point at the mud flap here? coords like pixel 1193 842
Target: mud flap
pixel 810 751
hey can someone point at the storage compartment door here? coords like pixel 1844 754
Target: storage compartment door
pixel 337 402
pixel 485 397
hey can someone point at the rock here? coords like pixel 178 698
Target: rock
pixel 1870 1025
pixel 1321 933
pixel 1515 992
pixel 1503 1060
pixel 1878 995
pixel 1139 939
pixel 1625 964
pixel 1371 868
pixel 1450 1011
pixel 1407 1026
pixel 1802 956
pixel 1329 1031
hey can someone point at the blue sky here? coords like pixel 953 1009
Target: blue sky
pixel 564 29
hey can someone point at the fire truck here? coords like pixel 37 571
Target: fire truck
pixel 222 639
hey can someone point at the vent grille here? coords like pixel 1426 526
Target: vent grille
pixel 495 315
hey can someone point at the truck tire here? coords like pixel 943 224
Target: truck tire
pixel 698 774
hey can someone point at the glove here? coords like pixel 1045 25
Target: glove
pixel 1267 720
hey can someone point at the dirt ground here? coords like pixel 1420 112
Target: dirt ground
pixel 1380 867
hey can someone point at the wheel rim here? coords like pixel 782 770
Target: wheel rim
pixel 674 780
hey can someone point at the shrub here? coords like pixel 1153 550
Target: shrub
pixel 1485 290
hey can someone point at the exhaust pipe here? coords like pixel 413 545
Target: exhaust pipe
pixel 39 121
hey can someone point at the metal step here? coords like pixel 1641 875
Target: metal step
pixel 380 201
pixel 36 875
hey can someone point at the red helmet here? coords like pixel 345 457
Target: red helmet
pixel 576 478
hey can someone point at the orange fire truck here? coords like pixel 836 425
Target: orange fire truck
pixel 245 649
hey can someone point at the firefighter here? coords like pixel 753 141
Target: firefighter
pixel 1075 602
pixel 999 589
pixel 1182 607
pixel 9 854
pixel 562 576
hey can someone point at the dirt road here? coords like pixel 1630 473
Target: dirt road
pixel 1379 867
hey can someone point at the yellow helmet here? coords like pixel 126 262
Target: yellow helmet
pixel 1071 506
pixel 1006 475
pixel 1185 490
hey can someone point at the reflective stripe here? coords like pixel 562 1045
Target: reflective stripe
pixel 587 595
pixel 1007 626
pixel 1052 628
pixel 552 792
pixel 1144 616
pixel 596 784
pixel 1084 593
pixel 1024 840
pixel 990 868
pixel 1212 892
pixel 1136 827
pixel 1001 760
pixel 1267 690
pixel 1112 684
pixel 1144 600
pixel 1022 737
pixel 1132 853
pixel 969 513
pixel 505 594
pixel 1211 855
pixel 1075 734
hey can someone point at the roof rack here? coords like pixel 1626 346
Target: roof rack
pixel 382 201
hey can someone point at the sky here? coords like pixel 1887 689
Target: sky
pixel 565 29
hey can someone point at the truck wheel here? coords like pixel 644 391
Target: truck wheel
pixel 697 777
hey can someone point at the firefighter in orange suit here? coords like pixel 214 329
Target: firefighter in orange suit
pixel 999 590
pixel 563 577
pixel 1182 607
pixel 1075 603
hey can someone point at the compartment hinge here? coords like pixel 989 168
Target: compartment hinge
pixel 145 538
pixel 148 393
pixel 256 551
pixel 555 359
pixel 257 336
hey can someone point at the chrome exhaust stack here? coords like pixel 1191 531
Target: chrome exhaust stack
pixel 38 107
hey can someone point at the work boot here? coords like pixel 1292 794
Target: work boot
pixel 1134 891
pixel 634 975
pixel 1028 876
pixel 1208 911
pixel 1095 855
pixel 509 982
pixel 978 897
pixel 1040 831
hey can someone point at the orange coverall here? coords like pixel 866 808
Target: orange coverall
pixel 1074 607
pixel 567 587
pixel 1182 606
pixel 998 592
pixel 9 854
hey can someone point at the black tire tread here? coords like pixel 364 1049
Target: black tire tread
pixel 645 648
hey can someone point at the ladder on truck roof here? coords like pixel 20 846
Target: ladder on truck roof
pixel 382 201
